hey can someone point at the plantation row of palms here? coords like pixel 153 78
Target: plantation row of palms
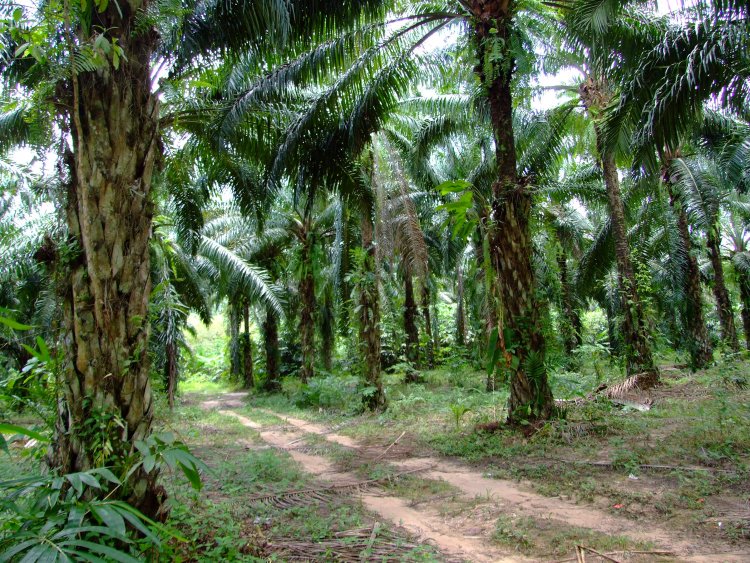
pixel 331 175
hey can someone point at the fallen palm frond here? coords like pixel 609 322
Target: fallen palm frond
pixel 389 447
pixel 614 394
pixel 304 497
pixel 648 466
pixel 361 544
pixel 609 556
pixel 621 389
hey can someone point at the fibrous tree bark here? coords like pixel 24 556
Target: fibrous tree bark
pixel 460 309
pixel 171 366
pixel 327 330
pixel 410 322
pixel 510 238
pixel 114 130
pixel 271 345
pixel 248 380
pixel 235 346
pixel 571 325
pixel 307 297
pixel 430 344
pixel 743 280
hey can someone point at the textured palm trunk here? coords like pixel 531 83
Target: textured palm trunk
pixel 571 326
pixel 271 344
pixel 235 346
pixel 430 344
pixel 721 294
pixel 306 323
pixel 492 303
pixel 369 319
pixel 743 280
pixel 345 290
pixel 106 367
pixel 410 322
pixel 327 331
pixel 460 309
pixel 170 371
pixel 701 353
pixel 510 238
pixel 248 380
pixel 613 334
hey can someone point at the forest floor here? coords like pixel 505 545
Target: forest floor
pixel 664 473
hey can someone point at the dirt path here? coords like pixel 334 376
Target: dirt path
pixel 426 524
pixel 461 538
pixel 515 498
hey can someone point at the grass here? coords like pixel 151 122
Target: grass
pixel 531 535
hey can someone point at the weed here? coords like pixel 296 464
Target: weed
pixel 514 532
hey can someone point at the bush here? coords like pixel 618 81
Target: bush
pixel 328 392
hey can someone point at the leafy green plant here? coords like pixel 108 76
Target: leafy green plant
pixel 71 517
pixel 163 451
pixel 77 515
pixel 328 392
pixel 458 411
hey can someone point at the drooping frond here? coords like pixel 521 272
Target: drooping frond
pixel 691 64
pixel 254 282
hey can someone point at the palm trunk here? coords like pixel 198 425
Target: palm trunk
pixel 306 324
pixel 247 350
pixel 492 303
pixel 271 342
pixel 170 371
pixel 430 351
pixel 410 322
pixel 327 330
pixel 511 246
pixel 615 343
pixel 743 280
pixel 235 346
pixel 106 372
pixel 723 303
pixel 369 319
pixel 460 309
pixel 571 325
pixel 344 286
pixel 638 358
pixel 699 346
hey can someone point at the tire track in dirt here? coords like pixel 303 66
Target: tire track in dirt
pixel 514 498
pixel 425 523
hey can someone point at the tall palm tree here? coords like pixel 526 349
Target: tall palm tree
pixel 602 37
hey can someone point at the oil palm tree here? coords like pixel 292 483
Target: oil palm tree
pixel 601 37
